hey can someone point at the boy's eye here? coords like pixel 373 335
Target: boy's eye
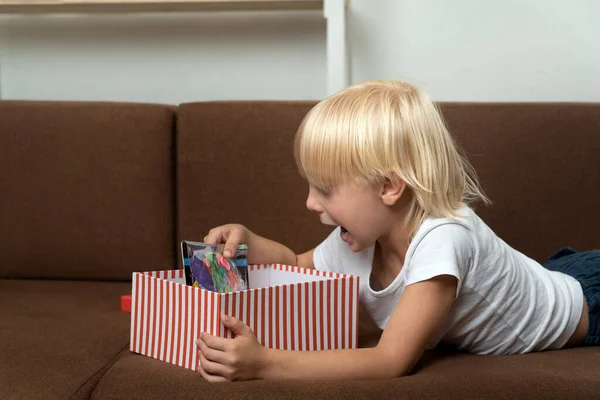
pixel 323 192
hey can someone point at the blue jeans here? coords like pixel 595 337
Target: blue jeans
pixel 585 267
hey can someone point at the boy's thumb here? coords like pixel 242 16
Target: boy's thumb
pixel 228 253
pixel 236 326
pixel 231 245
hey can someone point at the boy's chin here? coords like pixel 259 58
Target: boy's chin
pixel 356 247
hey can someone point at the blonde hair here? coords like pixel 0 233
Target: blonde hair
pixel 377 129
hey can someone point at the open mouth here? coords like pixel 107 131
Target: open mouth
pixel 344 234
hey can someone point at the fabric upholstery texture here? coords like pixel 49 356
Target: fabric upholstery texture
pixel 58 337
pixel 87 189
pixel 92 192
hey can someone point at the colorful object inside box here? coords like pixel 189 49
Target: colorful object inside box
pixel 207 268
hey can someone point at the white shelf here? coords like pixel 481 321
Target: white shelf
pixel 334 11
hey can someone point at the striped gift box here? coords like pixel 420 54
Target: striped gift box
pixel 287 308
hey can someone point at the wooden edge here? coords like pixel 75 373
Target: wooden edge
pixel 157 6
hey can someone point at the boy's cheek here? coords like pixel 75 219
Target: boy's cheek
pixel 326 220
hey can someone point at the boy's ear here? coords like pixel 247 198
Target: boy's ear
pixel 391 190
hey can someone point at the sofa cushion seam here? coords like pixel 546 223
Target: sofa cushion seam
pixel 98 371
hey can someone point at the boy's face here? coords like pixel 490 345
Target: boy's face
pixel 359 210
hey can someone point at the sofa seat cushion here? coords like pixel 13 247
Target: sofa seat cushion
pixel 58 337
pixel 560 374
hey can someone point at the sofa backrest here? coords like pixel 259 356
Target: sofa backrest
pixel 99 190
pixel 87 189
pixel 235 164
pixel 539 164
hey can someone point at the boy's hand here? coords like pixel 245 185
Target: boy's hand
pixel 260 249
pixel 232 235
pixel 221 360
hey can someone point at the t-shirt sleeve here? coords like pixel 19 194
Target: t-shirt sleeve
pixel 445 250
pixel 325 253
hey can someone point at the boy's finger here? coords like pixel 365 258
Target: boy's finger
pixel 213 237
pixel 213 372
pixel 235 237
pixel 214 342
pixel 211 354
pixel 209 377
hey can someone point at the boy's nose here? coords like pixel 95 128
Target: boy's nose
pixel 311 203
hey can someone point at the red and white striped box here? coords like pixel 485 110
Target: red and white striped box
pixel 287 308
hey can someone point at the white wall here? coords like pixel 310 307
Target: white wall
pixel 169 58
pixel 509 50
pixel 471 50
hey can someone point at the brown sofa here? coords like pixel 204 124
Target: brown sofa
pixel 91 192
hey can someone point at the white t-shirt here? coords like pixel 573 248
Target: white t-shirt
pixel 506 302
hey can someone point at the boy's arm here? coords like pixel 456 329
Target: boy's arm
pixel 266 251
pixel 421 311
pixel 305 260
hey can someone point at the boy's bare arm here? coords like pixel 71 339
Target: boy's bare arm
pixel 266 251
pixel 420 313
pixel 305 260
